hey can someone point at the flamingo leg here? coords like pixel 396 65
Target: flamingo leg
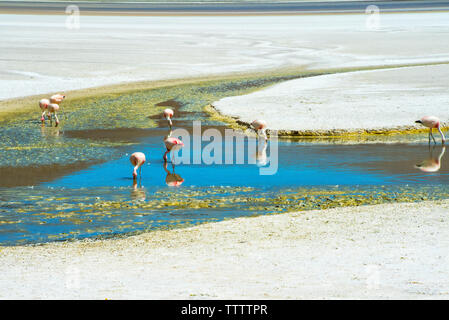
pixel 443 138
pixel 43 116
pixel 165 155
pixel 431 134
pixel 57 120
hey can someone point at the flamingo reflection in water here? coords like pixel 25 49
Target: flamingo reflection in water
pixel 50 132
pixel 172 179
pixel 261 156
pixel 433 163
pixel 138 192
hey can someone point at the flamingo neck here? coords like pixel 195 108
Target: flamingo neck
pixel 442 135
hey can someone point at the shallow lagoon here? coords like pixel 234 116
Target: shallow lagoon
pixel 75 181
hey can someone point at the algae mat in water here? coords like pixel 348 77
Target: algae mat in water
pixel 34 215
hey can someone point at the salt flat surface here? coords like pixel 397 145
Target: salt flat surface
pixel 390 251
pixel 379 99
pixel 38 54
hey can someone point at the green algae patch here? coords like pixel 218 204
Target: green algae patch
pixel 358 134
pixel 109 212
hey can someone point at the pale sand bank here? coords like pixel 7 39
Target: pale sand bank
pixel 40 55
pixel 363 100
pixel 383 251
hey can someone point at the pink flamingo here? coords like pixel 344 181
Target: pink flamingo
pixel 43 104
pixel 52 109
pixel 172 144
pixel 137 159
pixel 260 126
pixel 168 114
pixel 57 98
pixel 432 122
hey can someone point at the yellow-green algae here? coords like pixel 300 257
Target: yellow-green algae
pixel 24 142
pixel 26 216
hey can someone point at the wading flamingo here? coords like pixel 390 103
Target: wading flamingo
pixel 433 163
pixel 52 109
pixel 168 114
pixel 137 159
pixel 432 122
pixel 172 144
pixel 43 104
pixel 260 126
pixel 57 98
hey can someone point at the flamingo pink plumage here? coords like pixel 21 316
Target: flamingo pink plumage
pixel 260 126
pixel 43 104
pixel 432 122
pixel 57 98
pixel 168 114
pixel 52 109
pixel 137 159
pixel 172 144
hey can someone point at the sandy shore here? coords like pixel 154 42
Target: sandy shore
pixel 387 251
pixel 40 54
pixel 377 100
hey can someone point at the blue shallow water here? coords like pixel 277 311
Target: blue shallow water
pixel 103 200
pixel 299 164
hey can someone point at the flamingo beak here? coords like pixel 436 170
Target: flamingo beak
pixel 418 121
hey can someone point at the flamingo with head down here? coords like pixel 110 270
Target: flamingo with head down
pixel 51 106
pixel 43 104
pixel 137 159
pixel 168 114
pixel 172 144
pixel 260 126
pixel 52 109
pixel 432 122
